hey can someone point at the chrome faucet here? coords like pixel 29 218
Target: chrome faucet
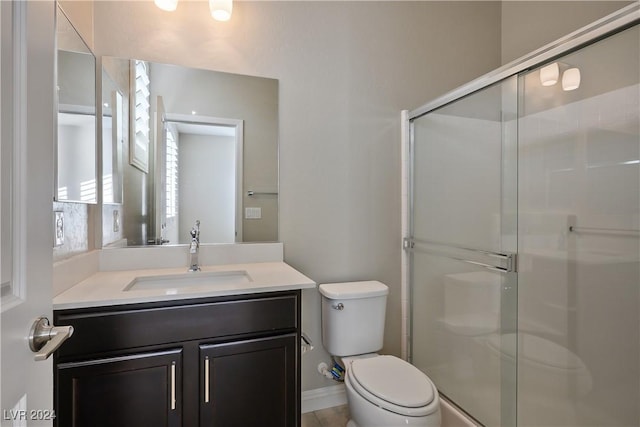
pixel 195 246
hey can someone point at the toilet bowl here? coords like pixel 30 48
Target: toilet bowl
pixel 382 391
pixel 387 391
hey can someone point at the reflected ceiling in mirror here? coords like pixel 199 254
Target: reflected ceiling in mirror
pixel 211 155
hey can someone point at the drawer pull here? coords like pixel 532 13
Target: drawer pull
pixel 173 386
pixel 206 379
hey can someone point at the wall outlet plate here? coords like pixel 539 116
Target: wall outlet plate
pixel 58 228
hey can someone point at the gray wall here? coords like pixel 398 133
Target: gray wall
pixel 528 25
pixel 80 13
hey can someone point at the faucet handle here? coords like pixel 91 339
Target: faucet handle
pixel 195 244
pixel 195 230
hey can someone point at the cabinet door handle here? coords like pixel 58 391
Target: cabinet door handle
pixel 173 386
pixel 206 379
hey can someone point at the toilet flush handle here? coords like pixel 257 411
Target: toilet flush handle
pixel 339 306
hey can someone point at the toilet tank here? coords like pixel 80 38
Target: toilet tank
pixel 353 315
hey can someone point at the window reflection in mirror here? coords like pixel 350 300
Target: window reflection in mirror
pixel 76 138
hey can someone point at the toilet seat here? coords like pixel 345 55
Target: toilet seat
pixel 394 385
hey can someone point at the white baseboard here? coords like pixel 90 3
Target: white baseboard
pixel 322 398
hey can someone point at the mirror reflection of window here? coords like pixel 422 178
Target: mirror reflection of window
pixel 172 175
pixel 139 155
pixel 169 225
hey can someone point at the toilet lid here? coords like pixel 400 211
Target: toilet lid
pixel 393 380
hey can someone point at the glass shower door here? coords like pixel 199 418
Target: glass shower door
pixel 462 251
pixel 579 229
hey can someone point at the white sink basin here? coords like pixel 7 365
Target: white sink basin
pixel 197 279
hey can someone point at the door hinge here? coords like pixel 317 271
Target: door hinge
pixel 512 263
pixel 407 243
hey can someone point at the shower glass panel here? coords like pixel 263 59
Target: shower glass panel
pixel 463 235
pixel 579 221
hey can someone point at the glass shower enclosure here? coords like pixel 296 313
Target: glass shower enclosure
pixel 524 245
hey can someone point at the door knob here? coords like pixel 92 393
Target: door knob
pixel 44 338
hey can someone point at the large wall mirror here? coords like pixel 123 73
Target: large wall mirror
pixel 183 144
pixel 76 139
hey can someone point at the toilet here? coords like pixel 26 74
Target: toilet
pixel 382 391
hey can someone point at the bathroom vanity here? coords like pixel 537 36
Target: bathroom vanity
pixel 205 354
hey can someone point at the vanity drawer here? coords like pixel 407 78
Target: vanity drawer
pixel 112 329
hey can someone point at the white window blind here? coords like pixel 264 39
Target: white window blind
pixel 142 110
pixel 172 175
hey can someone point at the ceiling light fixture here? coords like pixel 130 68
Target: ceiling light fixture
pixel 571 79
pixel 168 5
pixel 549 74
pixel 221 9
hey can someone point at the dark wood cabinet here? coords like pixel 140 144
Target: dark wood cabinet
pixel 227 361
pixel 140 389
pixel 249 383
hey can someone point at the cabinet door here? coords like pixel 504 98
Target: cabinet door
pixel 250 383
pixel 137 390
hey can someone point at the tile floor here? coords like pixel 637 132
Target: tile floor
pixel 337 416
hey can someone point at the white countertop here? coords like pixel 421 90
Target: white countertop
pixel 110 287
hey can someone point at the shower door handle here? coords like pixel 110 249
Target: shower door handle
pixel 509 269
pixel 510 259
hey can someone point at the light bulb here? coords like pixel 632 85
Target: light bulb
pixel 221 9
pixel 168 5
pixel 571 79
pixel 549 74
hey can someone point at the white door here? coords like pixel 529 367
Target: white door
pixel 26 175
